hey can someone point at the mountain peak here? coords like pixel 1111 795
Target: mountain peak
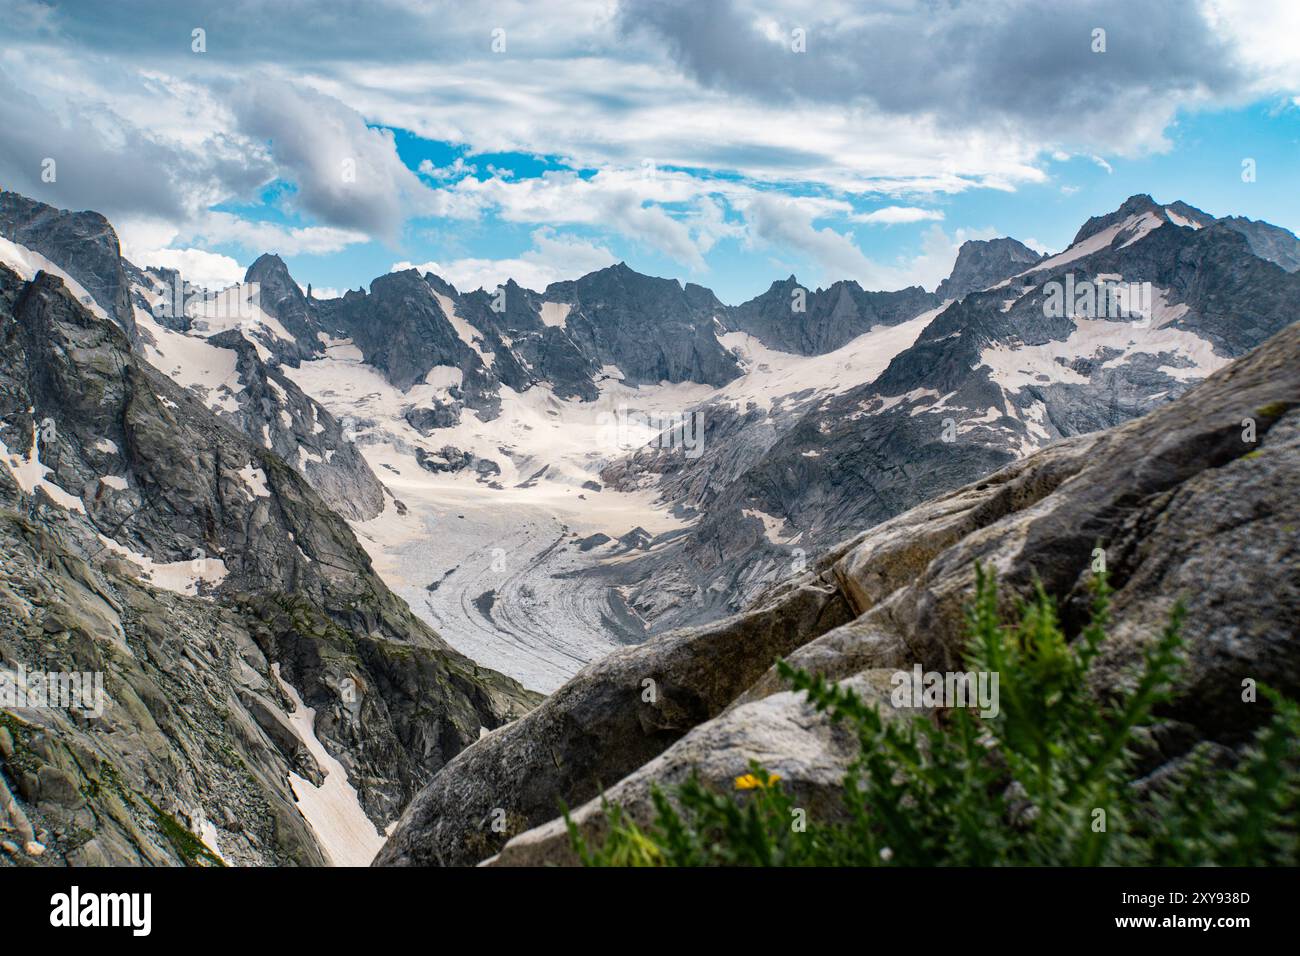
pixel 400 279
pixel 1196 217
pixel 1135 205
pixel 277 285
pixel 268 268
pixel 985 262
pixel 1138 202
pixel 441 285
pixel 620 273
pixel 83 243
pixel 781 286
pixel 280 296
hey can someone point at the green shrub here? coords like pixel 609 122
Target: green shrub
pixel 1048 780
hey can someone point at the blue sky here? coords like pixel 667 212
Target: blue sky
pixel 697 141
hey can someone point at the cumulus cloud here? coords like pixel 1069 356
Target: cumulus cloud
pixel 348 174
pixel 78 153
pixel 209 270
pixel 616 199
pixel 998 63
pixel 416 68
pixel 788 224
pixel 1261 36
pixel 221 228
pixel 893 102
pixel 453 170
pixel 143 237
pixel 708 222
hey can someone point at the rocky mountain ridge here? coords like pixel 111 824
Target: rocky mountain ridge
pixel 790 318
pixel 987 380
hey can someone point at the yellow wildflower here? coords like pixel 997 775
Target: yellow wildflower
pixel 750 782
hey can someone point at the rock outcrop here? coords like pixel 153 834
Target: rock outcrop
pixel 280 297
pixel 1267 241
pixel 791 318
pixel 654 330
pixel 275 413
pixel 985 262
pixel 614 716
pixel 82 243
pixel 650 329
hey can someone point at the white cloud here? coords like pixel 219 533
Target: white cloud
pixel 455 170
pixel 620 200
pixel 893 215
pixel 708 221
pixel 935 261
pixel 975 107
pixel 788 224
pixel 508 104
pixel 220 228
pixel 552 259
pixel 784 223
pixel 150 241
pixel 207 269
pixel 1263 38
pixel 348 174
pixel 112 153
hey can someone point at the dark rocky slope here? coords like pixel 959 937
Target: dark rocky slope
pixel 134 464
pixel 83 243
pixel 790 318
pixel 654 330
pixel 267 406
pixel 275 413
pixel 1267 241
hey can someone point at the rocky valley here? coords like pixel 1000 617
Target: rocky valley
pixel 384 576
